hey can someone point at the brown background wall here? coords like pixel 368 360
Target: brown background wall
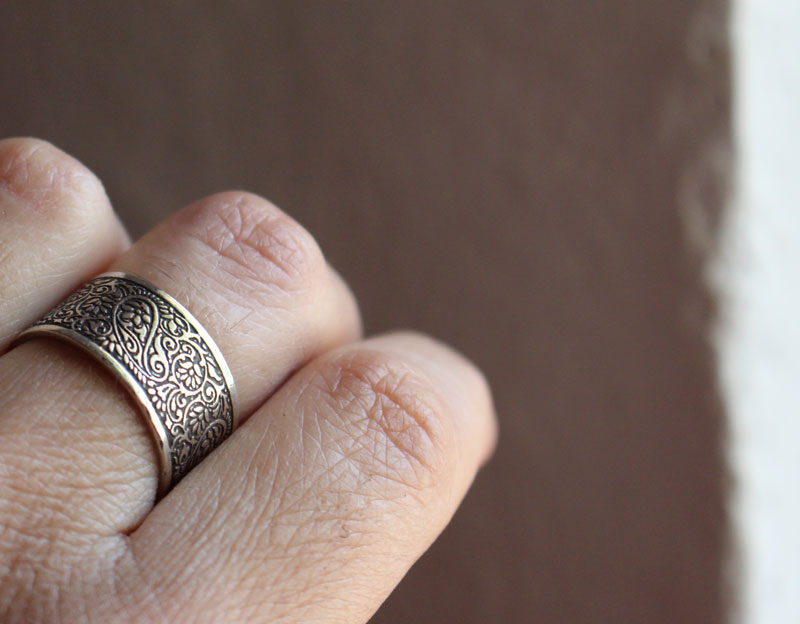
pixel 535 181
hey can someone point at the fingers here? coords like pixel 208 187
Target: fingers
pixel 74 448
pixel 319 504
pixel 57 229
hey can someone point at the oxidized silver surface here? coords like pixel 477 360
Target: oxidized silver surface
pixel 162 354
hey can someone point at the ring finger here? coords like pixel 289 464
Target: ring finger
pixel 74 452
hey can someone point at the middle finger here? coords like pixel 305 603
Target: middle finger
pixel 75 453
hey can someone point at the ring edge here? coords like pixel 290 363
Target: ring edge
pixel 120 374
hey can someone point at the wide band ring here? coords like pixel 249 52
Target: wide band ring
pixel 164 358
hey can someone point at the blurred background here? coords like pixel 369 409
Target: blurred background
pixel 539 183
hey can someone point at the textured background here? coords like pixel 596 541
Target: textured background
pixel 537 182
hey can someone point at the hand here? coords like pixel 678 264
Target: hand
pixel 351 457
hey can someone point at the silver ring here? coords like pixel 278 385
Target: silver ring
pixel 164 358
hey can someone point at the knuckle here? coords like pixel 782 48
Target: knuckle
pixel 256 241
pixel 387 417
pixel 50 182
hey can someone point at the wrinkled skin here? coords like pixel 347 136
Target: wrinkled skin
pixel 351 456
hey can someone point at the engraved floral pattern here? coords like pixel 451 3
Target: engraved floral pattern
pixel 160 347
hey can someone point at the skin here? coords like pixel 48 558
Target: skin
pixel 351 457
